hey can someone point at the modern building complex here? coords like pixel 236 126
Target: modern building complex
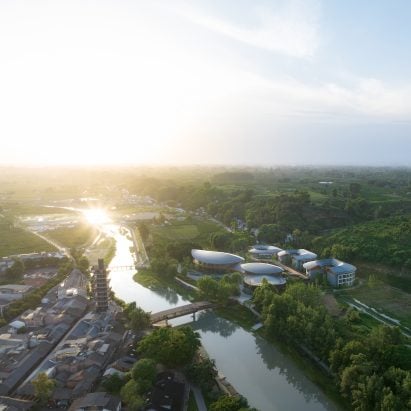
pixel 338 273
pixel 101 287
pixel 296 258
pixel 264 251
pixel 255 273
pixel 216 260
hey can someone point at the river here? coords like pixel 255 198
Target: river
pixel 268 378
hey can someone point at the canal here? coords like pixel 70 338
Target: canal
pixel 268 378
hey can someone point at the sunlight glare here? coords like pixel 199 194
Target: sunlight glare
pixel 96 216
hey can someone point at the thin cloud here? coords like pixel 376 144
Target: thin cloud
pixel 291 29
pixel 367 98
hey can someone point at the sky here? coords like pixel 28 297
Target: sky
pixel 253 82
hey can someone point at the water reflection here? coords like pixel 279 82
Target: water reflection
pixel 268 378
pixel 208 322
pixel 258 370
pixel 274 359
pixel 169 294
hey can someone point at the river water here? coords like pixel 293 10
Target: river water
pixel 268 378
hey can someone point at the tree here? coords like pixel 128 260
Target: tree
pixel 271 233
pixel 139 319
pixel 15 272
pixel 113 383
pixel 130 395
pixel 202 373
pixel 43 387
pixel 214 290
pixel 144 369
pixel 208 287
pixel 172 347
pixel 230 403
pixel 83 264
pixel 143 230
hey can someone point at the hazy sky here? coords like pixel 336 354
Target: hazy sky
pixel 211 81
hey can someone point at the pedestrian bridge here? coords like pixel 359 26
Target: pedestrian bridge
pixel 180 311
pixel 123 268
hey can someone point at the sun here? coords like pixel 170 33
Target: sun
pixel 96 216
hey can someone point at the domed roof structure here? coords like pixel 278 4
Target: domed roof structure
pixel 261 269
pixel 216 257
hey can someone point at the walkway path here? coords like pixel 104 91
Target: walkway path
pixel 180 311
pixel 142 260
pixel 198 395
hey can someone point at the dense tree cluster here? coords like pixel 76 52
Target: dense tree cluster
pixel 172 347
pixel 202 373
pixel 369 369
pixel 384 240
pixel 219 290
pixel 142 378
pixel 15 272
pixel 138 319
pixel 230 403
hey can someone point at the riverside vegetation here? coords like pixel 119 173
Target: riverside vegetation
pixel 361 215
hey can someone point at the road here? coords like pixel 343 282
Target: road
pixel 142 260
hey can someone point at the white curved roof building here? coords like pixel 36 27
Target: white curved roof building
pixel 261 268
pixel 255 273
pixel 260 250
pixel 216 259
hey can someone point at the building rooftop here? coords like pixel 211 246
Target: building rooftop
pixel 298 254
pixel 264 249
pixel 216 257
pixel 261 268
pixel 96 401
pixel 14 288
pixel 331 265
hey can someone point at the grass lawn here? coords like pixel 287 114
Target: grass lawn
pixel 105 248
pixel 384 298
pixel 190 229
pixel 14 240
pixel 80 235
pixel 177 232
pixel 154 281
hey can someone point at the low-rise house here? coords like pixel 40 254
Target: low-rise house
pixel 96 401
pixel 338 272
pixel 15 326
pixel 123 364
pixel 34 318
pixel 14 404
pixel 5 263
pixel 13 292
pixel 296 258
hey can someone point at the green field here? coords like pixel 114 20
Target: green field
pixel 18 241
pixel 384 298
pixel 183 232
pixel 104 248
pixel 186 231
pixel 80 235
